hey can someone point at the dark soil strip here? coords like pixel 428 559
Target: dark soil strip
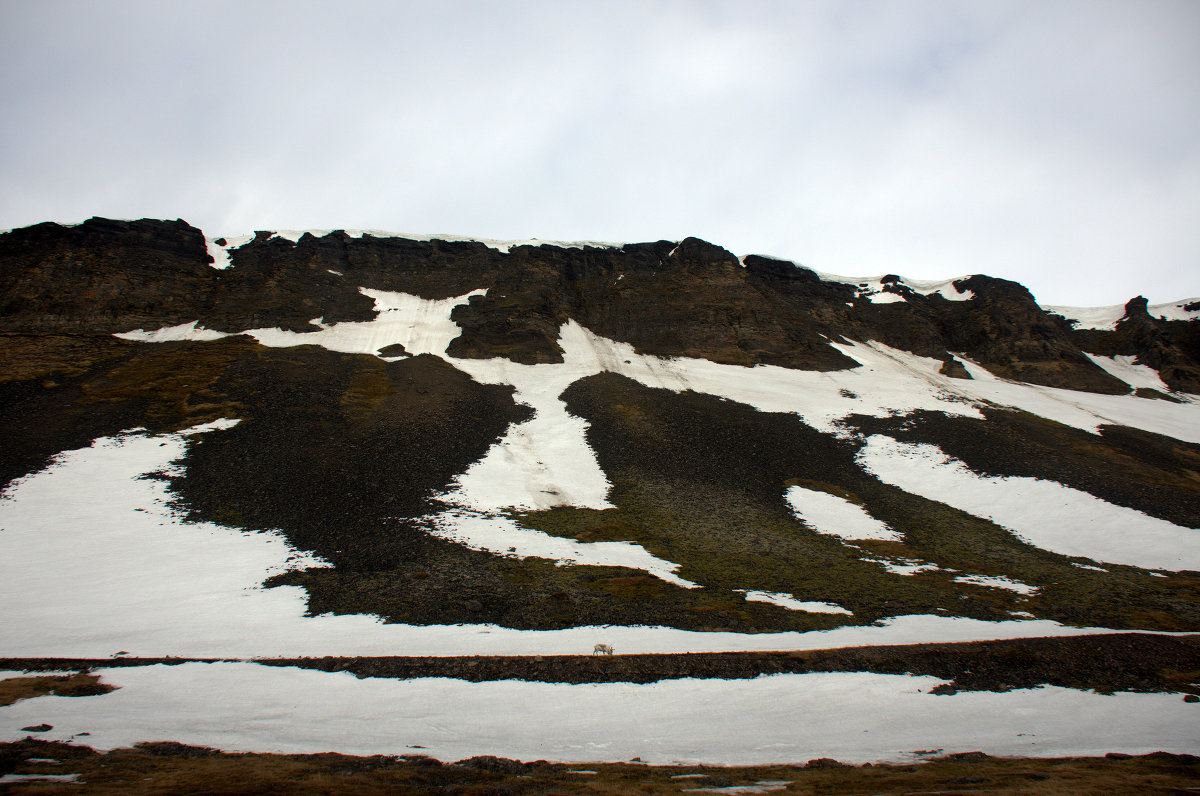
pixel 166 767
pixel 1105 663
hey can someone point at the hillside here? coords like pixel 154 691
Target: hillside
pixel 353 446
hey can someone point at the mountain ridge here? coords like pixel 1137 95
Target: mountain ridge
pixel 452 469
pixel 672 299
pixel 694 390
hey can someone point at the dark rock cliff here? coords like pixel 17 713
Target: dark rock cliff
pixel 690 298
pixel 1170 347
pixel 102 276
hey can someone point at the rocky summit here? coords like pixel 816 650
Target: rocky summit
pixel 413 457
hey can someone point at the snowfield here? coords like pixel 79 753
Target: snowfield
pixel 852 717
pixel 888 381
pixel 94 562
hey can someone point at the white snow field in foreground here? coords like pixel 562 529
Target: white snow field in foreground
pixel 852 717
pixel 1044 513
pixel 93 562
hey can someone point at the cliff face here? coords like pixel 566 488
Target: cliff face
pixel 102 276
pixel 690 299
pixel 1171 347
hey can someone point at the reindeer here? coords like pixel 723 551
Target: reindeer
pixel 602 649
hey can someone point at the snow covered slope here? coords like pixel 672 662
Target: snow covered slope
pixel 359 444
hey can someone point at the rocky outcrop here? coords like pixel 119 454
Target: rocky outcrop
pixel 103 276
pixel 688 299
pixel 1170 347
pixel 1003 328
pixel 274 282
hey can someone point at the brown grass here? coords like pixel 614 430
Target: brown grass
pixel 167 768
pixel 14 689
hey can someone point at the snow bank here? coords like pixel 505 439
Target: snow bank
pixel 171 334
pixel 1128 371
pixel 1043 513
pixel 792 604
pixel 220 251
pixel 500 535
pixel 852 717
pixel 872 287
pixel 832 515
pixel 504 246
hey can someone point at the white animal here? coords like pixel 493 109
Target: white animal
pixel 602 649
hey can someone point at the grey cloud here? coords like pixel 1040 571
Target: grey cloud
pixel 1052 142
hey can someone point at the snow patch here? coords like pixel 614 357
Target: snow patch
pixel 1129 371
pixel 1106 318
pixel 220 424
pixel 220 252
pixel 501 535
pixel 792 604
pixel 1043 513
pixel 835 516
pixel 905 566
pixel 1083 410
pixel 852 717
pixel 761 786
pixel 169 334
pixel 504 246
pixel 998 582
pixel 422 326
pixel 873 287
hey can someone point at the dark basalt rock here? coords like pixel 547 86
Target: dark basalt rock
pixel 954 369
pixel 1003 328
pixel 393 350
pixel 496 765
pixel 346 454
pixel 273 282
pixel 103 276
pixel 1170 347
pixel 690 299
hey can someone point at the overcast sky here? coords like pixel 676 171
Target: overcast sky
pixel 1052 142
